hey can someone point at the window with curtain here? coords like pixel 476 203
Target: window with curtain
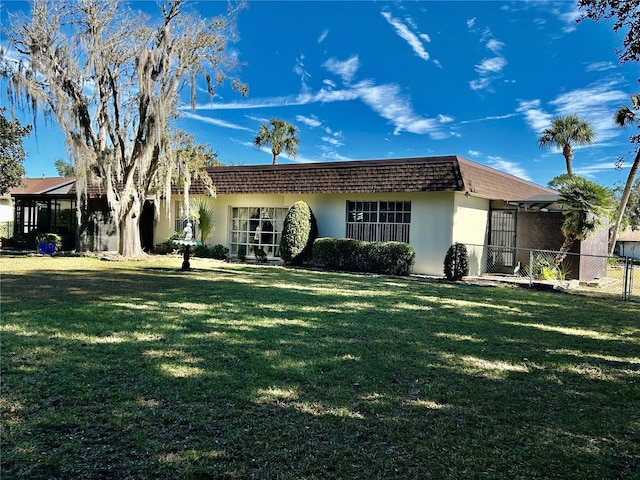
pixel 256 228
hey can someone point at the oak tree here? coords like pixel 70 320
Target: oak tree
pixel 112 80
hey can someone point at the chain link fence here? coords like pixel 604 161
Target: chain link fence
pixel 578 273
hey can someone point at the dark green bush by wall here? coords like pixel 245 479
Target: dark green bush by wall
pixel 298 234
pixel 456 262
pixel 390 258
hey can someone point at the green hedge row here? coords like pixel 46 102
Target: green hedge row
pixel 390 258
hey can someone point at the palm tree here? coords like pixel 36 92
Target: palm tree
pixel 623 118
pixel 565 132
pixel 584 203
pixel 282 135
pixel 203 212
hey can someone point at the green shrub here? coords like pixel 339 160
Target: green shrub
pixel 548 273
pixel 336 253
pixel 219 252
pixel 298 234
pixel 390 258
pixel 539 265
pixel 456 262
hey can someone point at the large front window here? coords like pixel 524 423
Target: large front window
pixel 379 221
pixel 255 228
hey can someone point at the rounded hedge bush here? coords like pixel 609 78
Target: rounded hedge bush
pixel 389 258
pixel 456 262
pixel 298 233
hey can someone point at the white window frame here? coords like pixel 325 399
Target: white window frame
pixel 379 220
pixel 256 227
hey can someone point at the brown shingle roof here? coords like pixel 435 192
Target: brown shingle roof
pixel 44 185
pixel 425 174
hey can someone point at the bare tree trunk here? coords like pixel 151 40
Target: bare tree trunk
pixel 623 201
pixel 130 244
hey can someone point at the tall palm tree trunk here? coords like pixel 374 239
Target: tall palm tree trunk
pixel 567 153
pixel 623 201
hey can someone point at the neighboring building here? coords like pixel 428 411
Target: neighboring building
pixel 6 219
pixel 6 209
pixel 44 205
pixel 628 244
pixel 429 202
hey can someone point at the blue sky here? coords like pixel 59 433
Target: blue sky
pixel 373 80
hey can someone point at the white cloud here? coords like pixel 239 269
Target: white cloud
pixel 407 35
pixel 494 45
pixel 323 35
pixel 568 17
pixel 491 65
pixel 387 102
pixel 490 117
pixel 508 167
pixel 594 103
pixel 599 66
pixel 301 72
pixel 489 69
pixel 444 119
pixel 534 116
pixel 480 83
pixel 329 83
pixel 309 121
pixel 332 141
pixel 471 22
pixel 474 153
pixel 346 69
pixel 591 171
pixel 213 121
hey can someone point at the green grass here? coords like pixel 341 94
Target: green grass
pixel 135 370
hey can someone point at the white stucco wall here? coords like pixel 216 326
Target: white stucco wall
pixel 437 219
pixel 471 226
pixel 6 210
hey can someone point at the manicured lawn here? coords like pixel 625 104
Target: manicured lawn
pixel 134 370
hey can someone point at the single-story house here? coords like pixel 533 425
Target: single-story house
pixel 628 244
pixel 428 202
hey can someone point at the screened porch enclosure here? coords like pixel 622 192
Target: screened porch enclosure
pixel 34 216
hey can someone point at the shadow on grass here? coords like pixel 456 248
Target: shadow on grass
pixel 251 372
